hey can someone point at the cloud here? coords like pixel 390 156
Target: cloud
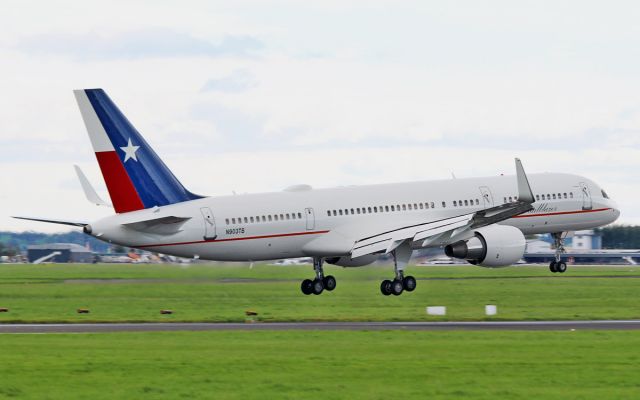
pixel 138 44
pixel 237 81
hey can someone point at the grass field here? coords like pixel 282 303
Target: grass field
pixel 336 365
pixel 52 293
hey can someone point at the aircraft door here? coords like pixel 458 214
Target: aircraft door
pixel 311 218
pixel 487 197
pixel 587 203
pixel 209 223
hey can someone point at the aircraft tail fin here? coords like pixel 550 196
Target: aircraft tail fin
pixel 135 176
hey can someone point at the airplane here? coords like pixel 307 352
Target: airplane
pixel 480 220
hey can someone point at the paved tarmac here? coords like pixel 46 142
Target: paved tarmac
pixel 324 326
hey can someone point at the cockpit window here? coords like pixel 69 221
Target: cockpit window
pixel 604 194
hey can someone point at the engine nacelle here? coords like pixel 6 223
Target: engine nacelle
pixel 491 246
pixel 355 262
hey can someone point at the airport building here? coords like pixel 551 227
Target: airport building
pixel 60 253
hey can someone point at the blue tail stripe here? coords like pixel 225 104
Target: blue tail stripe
pixel 152 179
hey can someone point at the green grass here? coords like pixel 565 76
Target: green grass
pixel 336 365
pixel 52 293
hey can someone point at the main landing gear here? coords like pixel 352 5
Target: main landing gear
pixel 558 265
pixel 320 283
pixel 401 256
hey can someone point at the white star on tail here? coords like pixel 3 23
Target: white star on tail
pixel 130 151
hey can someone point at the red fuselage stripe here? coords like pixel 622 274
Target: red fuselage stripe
pixel 561 213
pixel 121 190
pixel 235 239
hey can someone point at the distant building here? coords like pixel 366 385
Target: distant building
pixel 67 253
pixel 586 240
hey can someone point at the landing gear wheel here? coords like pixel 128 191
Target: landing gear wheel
pixel 307 286
pixel 317 286
pixel 329 282
pixel 409 283
pixel 552 267
pixel 385 287
pixel 561 266
pixel 397 287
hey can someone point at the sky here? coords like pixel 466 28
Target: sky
pixel 254 96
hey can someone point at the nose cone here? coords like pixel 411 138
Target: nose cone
pixel 615 211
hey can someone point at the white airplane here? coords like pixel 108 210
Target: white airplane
pixel 481 220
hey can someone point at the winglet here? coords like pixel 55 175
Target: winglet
pixel 89 191
pixel 524 190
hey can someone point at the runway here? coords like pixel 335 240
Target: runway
pixel 324 326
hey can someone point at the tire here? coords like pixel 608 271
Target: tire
pixel 397 287
pixel 307 286
pixel 561 267
pixel 385 287
pixel 317 286
pixel 329 282
pixel 409 283
pixel 552 267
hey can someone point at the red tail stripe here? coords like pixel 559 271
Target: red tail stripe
pixel 121 190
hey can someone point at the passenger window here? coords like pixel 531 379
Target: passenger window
pixel 270 218
pixel 554 196
pixel 233 220
pixel 404 207
pixel 246 220
pixel 393 208
pixel 251 219
pixel 421 206
pixel 352 212
pixel 409 207
pixel 375 209
pixel 227 221
pixel 300 215
pixel 369 210
pixel 564 195
pixel 477 202
pixel 510 199
pixel 386 208
pixel 444 204
pixel 455 203
pixel 466 202
pixel 340 212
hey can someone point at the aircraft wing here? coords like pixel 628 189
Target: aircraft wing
pixel 446 230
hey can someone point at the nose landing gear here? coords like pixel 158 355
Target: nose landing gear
pixel 321 282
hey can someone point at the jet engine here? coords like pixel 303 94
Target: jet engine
pixel 355 262
pixel 491 246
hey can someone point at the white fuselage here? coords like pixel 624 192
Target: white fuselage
pixel 279 225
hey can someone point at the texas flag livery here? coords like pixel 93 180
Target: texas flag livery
pixel 136 178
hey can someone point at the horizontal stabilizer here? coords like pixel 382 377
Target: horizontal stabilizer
pixel 54 221
pixel 89 191
pixel 161 226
